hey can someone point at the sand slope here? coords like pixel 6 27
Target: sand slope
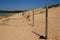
pixel 16 27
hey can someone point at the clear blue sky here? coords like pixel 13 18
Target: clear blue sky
pixel 25 4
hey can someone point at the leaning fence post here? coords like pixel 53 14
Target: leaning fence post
pixel 46 26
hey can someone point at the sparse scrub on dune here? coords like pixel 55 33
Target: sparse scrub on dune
pixel 0 18
pixel 27 17
pixel 6 20
pixel 56 5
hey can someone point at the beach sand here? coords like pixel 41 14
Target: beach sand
pixel 16 27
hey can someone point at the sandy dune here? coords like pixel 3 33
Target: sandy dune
pixel 16 27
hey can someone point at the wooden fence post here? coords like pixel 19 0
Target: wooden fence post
pixel 46 26
pixel 33 19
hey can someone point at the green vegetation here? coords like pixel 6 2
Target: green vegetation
pixel 4 11
pixel 56 5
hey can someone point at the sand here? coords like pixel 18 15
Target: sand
pixel 16 27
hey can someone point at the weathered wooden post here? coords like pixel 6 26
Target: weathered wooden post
pixel 33 19
pixel 46 26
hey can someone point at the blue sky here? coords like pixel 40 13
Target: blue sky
pixel 25 4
